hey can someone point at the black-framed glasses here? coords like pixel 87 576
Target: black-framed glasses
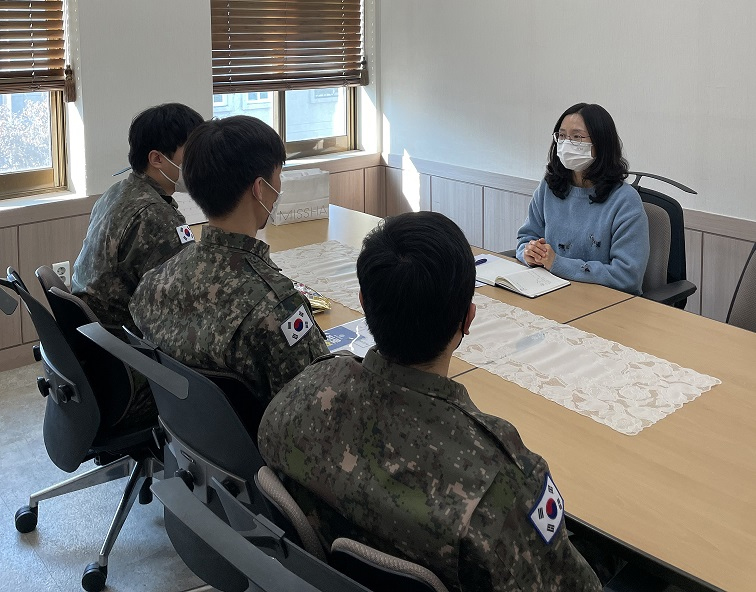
pixel 575 140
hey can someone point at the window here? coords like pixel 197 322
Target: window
pixel 32 79
pixel 293 64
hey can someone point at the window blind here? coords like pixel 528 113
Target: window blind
pixel 287 44
pixel 31 46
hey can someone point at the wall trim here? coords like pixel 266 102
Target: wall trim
pixel 727 226
pixel 15 212
pixel 464 174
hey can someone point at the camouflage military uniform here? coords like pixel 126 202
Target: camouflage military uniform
pixel 222 304
pixel 132 229
pixel 416 470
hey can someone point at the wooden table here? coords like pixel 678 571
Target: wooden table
pixel 684 489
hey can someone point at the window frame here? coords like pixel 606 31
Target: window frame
pixel 47 180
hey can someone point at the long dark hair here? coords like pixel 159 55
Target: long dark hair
pixel 610 167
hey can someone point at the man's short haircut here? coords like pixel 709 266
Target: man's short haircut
pixel 417 276
pixel 164 128
pixel 223 157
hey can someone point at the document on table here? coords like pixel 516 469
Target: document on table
pixel 528 281
pixel 353 337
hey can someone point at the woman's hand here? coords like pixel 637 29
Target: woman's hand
pixel 539 252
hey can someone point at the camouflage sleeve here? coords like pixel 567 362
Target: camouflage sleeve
pixel 262 350
pixel 502 550
pixel 150 240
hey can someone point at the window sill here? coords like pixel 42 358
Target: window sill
pixel 63 204
pixel 44 206
pixel 336 163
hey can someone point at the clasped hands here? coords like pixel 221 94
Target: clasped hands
pixel 539 252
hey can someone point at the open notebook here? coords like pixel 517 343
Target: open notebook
pixel 528 281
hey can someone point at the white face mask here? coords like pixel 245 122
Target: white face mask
pixel 179 184
pixel 575 158
pixel 275 203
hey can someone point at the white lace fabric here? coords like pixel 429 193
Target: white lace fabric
pixel 612 384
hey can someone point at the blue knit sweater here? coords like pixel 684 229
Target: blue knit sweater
pixel 601 243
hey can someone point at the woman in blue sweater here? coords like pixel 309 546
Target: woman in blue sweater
pixel 584 222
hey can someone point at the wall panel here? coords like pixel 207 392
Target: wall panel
pixel 407 191
pixel 723 261
pixel 693 246
pixel 463 203
pixel 503 214
pixel 10 326
pixel 375 191
pixel 348 189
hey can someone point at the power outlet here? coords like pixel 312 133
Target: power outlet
pixel 63 269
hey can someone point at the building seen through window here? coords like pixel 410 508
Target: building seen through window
pixel 308 114
pixel 25 137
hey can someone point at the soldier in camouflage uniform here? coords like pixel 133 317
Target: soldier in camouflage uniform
pixel 135 225
pixel 389 451
pixel 222 303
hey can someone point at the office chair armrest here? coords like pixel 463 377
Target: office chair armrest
pixel 671 293
pixel 510 253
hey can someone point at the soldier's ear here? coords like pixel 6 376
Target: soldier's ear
pixel 468 319
pixel 155 159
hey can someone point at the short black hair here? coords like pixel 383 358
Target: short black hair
pixel 417 276
pixel 223 157
pixel 164 128
pixel 610 167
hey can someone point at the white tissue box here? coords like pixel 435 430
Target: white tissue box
pixel 306 194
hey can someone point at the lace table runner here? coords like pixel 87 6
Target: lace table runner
pixel 615 385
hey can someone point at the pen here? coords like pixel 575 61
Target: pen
pixel 479 261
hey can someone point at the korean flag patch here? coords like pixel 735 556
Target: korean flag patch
pixel 548 511
pixel 185 234
pixel 297 325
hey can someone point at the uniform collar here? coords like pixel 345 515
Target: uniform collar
pixel 414 379
pixel 237 241
pixel 154 185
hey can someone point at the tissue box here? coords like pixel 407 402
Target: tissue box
pixel 305 196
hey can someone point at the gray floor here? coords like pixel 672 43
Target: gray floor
pixel 71 528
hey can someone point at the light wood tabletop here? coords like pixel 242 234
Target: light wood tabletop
pixel 684 489
pixel 563 305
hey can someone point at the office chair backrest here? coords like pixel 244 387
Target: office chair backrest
pixel 380 571
pixel 111 381
pixel 660 236
pixel 742 311
pixel 665 282
pixel 287 514
pixel 8 303
pixel 49 279
pixel 72 415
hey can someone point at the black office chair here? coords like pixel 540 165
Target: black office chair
pixel 742 311
pixel 252 547
pixel 380 571
pixel 203 439
pixel 665 278
pixel 77 429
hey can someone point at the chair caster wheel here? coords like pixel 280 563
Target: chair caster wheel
pixel 145 493
pixel 26 519
pixel 94 577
